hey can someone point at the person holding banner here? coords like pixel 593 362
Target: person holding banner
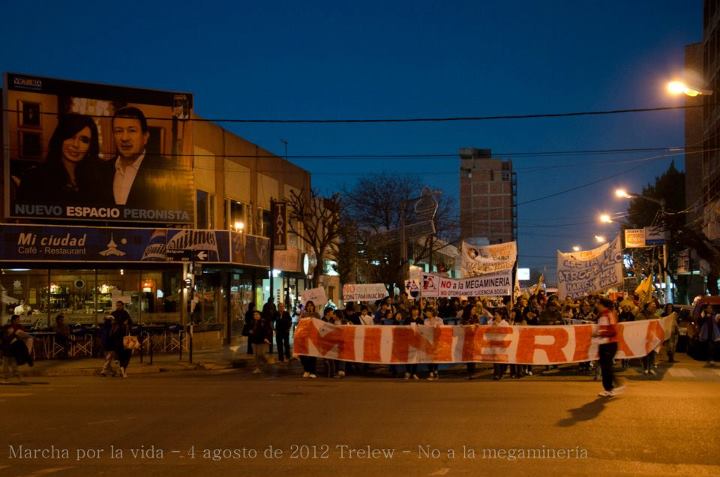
pixel 413 320
pixel 365 317
pixel 649 312
pixel 500 320
pixel 309 363
pixel 607 346
pixel 470 318
pixel 431 319
pixel 336 368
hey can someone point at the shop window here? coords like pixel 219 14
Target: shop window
pixel 22 294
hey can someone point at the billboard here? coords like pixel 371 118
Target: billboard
pixel 62 243
pixel 91 152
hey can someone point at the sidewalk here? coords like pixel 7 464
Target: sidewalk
pixel 203 360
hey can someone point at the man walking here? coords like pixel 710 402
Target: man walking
pixel 607 346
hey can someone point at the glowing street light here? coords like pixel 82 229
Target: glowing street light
pixel 622 194
pixel 605 218
pixel 677 88
pixel 576 248
pixel 600 239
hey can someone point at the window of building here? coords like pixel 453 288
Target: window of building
pixel 237 216
pixel 262 223
pixel 202 200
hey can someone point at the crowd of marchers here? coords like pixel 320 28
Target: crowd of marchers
pixel 528 310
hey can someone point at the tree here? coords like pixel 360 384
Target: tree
pixel 670 187
pixel 316 220
pixel 374 210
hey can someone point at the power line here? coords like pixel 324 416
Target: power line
pixel 429 119
pixel 432 155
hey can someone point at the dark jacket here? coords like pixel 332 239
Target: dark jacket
pixel 283 323
pixel 260 331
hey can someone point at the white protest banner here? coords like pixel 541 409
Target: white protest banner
pixel 582 273
pixel 534 345
pixel 487 259
pixel 315 295
pixel 490 284
pixel 364 292
pixel 412 288
pixel 430 286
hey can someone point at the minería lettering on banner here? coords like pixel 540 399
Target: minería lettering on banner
pixel 535 345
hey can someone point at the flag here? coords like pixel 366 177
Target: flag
pixel 540 282
pixel 645 289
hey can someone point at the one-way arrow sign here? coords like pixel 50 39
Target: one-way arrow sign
pixel 201 255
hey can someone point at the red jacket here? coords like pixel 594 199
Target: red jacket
pixel 607 327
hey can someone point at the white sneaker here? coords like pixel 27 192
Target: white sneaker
pixel 306 374
pixel 407 376
pixel 415 377
pixel 618 390
pixel 256 371
pixel 341 374
pixel 313 376
pixel 431 377
pixel 652 372
pixel 605 394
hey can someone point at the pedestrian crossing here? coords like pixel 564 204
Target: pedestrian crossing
pixel 694 373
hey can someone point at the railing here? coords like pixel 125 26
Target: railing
pixel 86 342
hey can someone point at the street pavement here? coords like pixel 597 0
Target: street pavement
pixel 230 422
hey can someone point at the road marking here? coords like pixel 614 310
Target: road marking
pixel 680 373
pixel 442 471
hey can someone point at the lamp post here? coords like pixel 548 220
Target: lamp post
pixel 623 194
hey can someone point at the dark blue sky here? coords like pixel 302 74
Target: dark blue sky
pixel 330 59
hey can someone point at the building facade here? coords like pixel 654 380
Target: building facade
pixel 184 240
pixel 710 178
pixel 488 191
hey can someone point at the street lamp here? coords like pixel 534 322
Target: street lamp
pixel 576 248
pixel 622 193
pixel 677 88
pixel 605 218
pixel 600 239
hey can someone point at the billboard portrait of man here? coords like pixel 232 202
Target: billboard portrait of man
pixel 85 152
pixel 135 178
